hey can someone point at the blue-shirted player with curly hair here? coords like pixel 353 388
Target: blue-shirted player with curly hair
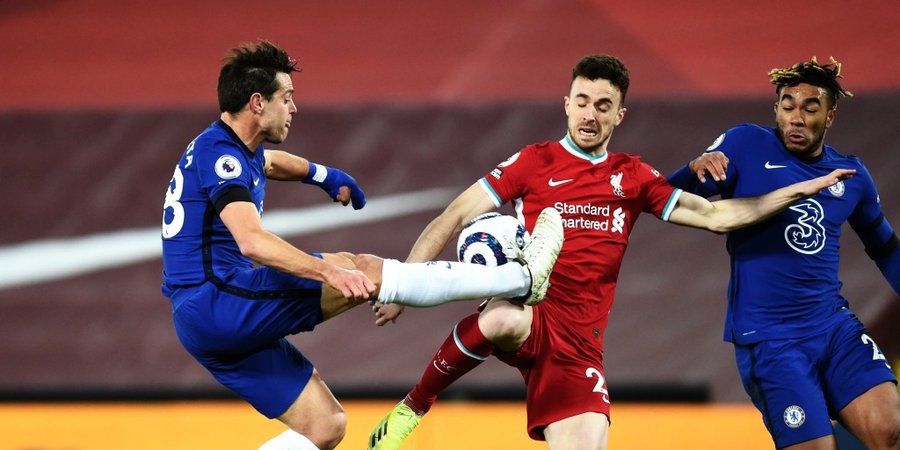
pixel 803 356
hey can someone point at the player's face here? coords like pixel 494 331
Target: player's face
pixel 803 114
pixel 276 114
pixel 594 109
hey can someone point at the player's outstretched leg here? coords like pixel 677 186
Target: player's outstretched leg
pixel 394 428
pixel 541 252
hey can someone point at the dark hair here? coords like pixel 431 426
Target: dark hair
pixel 811 72
pixel 610 68
pixel 249 68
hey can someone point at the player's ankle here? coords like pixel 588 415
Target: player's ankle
pixel 420 410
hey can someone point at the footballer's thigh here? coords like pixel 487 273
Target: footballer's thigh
pixel 874 417
pixel 861 379
pixel 505 323
pixel 333 302
pixel 585 431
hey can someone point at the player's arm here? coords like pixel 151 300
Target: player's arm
pixel 887 258
pixel 284 166
pixel 880 241
pixel 341 187
pixel 446 227
pixel 267 249
pixel 726 215
pixel 434 238
pixel 692 176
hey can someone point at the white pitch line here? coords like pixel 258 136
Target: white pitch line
pixel 46 260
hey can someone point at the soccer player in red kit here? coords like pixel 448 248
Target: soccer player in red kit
pixel 558 344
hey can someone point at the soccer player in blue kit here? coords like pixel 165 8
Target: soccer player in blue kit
pixel 237 290
pixel 804 358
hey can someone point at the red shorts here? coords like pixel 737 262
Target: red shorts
pixel 563 373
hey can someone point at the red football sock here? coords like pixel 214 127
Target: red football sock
pixel 464 350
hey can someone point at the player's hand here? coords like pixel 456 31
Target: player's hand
pixel 812 187
pixel 340 186
pixel 385 313
pixel 352 284
pixel 714 163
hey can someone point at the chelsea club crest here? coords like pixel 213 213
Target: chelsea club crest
pixel 838 189
pixel 794 416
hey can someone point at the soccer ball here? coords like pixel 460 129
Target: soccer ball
pixel 491 239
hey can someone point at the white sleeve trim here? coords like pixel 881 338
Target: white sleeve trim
pixel 671 204
pixel 490 192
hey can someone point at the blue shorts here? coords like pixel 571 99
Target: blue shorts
pixel 237 331
pixel 799 385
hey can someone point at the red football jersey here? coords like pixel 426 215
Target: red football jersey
pixel 600 199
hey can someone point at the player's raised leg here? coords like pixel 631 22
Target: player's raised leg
pixel 436 282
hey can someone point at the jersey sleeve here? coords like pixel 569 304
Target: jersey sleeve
pixel 727 143
pixel 874 230
pixel 867 218
pixel 223 169
pixel 661 196
pixel 509 179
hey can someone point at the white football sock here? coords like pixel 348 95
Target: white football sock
pixel 436 282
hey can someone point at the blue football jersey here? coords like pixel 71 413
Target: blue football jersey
pixel 784 280
pixel 216 167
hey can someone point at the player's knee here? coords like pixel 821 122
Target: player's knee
pixel 370 265
pixel 503 326
pixel 884 433
pixel 342 259
pixel 328 431
pixel 884 439
pixel 892 433
pixel 336 429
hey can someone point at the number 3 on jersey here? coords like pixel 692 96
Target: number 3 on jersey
pixel 175 221
pixel 173 197
pixel 600 386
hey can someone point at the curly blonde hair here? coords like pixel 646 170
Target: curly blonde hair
pixel 811 72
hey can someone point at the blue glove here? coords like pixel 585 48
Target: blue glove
pixel 331 180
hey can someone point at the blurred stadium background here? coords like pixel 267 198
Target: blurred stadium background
pixel 416 99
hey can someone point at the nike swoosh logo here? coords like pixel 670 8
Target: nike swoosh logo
pixel 773 166
pixel 256 182
pixel 554 183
